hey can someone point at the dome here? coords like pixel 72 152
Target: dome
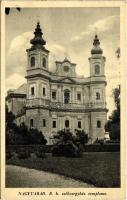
pixel 96 50
pixel 38 40
pixel 96 46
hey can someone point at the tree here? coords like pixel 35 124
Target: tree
pixel 10 117
pixel 113 124
pixel 35 137
pixel 21 134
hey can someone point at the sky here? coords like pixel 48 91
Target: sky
pixel 69 32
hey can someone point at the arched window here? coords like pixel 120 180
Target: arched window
pixel 66 96
pixel 98 96
pixel 98 124
pixel 97 69
pixel 31 122
pixel 67 123
pixel 32 61
pixel 79 124
pixel 44 62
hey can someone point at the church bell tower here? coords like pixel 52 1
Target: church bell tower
pixel 37 55
pixel 98 114
pixel 38 87
pixel 37 66
pixel 97 61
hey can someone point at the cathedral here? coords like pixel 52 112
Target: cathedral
pixel 52 101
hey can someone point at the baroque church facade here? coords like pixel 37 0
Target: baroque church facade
pixel 61 100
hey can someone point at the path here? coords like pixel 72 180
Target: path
pixel 30 178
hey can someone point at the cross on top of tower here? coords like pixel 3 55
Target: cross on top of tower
pixel 96 41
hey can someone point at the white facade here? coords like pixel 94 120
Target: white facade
pixel 59 100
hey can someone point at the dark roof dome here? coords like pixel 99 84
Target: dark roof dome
pixel 38 40
pixel 96 46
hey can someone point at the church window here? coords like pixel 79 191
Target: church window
pixel 79 124
pixel 66 96
pixel 66 68
pixel 31 122
pixel 78 96
pixel 67 123
pixel 44 62
pixel 32 61
pixel 44 123
pixel 43 91
pixel 32 91
pixel 97 96
pixel 98 124
pixel 54 95
pixel 97 69
pixel 54 124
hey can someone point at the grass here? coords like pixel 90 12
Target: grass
pixel 100 169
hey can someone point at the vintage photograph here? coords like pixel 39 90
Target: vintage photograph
pixel 62 97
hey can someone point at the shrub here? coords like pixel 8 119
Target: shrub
pixel 81 137
pixel 67 150
pixel 57 150
pixel 23 154
pixel 36 137
pixel 68 145
pixel 40 153
pixel 99 141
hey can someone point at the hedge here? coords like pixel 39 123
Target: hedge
pixel 48 148
pixel 102 148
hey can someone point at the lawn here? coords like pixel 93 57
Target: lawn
pixel 100 169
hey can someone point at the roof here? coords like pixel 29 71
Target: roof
pixel 21 89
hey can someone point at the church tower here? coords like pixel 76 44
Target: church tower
pixel 38 87
pixel 37 55
pixel 97 61
pixel 98 114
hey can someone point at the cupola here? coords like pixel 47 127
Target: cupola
pixel 38 41
pixel 96 46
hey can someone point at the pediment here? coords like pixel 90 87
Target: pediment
pixel 67 80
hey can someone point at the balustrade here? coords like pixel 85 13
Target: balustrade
pixel 59 105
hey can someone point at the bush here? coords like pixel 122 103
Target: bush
pixel 81 137
pixel 102 148
pixel 99 141
pixel 40 153
pixel 69 145
pixel 36 137
pixel 57 150
pixel 67 150
pixel 23 154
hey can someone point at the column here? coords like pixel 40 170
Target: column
pixel 62 94
pixel 82 95
pixel 58 94
pixel 73 95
